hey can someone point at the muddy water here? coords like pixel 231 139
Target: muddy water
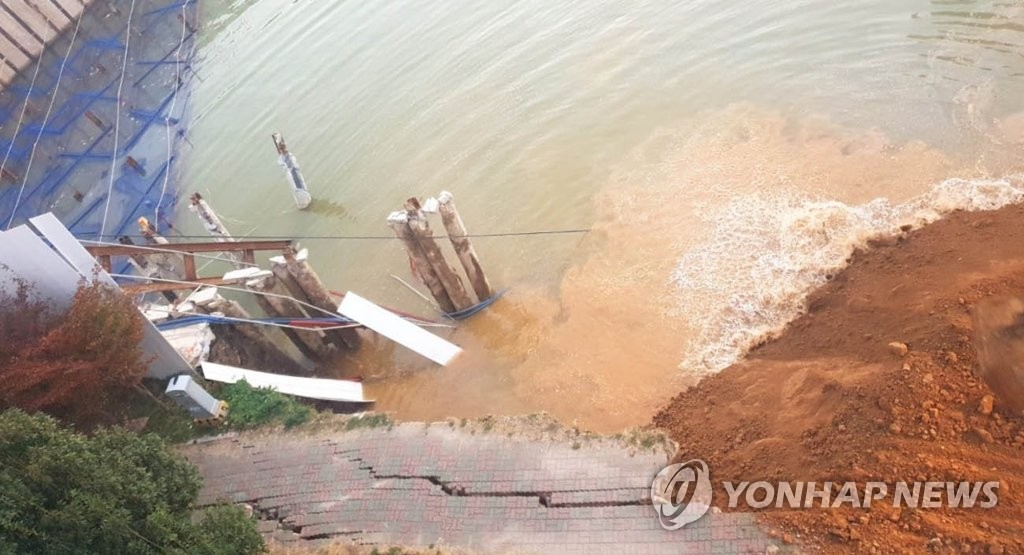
pixel 727 157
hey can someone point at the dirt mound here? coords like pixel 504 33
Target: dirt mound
pixel 878 381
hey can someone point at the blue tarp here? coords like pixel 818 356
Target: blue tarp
pixel 65 161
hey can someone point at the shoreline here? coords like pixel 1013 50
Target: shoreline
pixel 826 399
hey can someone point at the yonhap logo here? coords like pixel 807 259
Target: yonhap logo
pixel 681 493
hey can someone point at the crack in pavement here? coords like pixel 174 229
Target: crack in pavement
pixel 543 497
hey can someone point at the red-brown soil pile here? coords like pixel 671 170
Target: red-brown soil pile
pixel 830 400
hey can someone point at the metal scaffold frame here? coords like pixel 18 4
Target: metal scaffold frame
pixel 92 129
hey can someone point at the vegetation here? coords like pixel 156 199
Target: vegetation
pixel 75 365
pixel 369 420
pixel 250 407
pixel 114 492
pixel 162 417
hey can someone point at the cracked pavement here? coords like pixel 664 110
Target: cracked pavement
pixel 436 486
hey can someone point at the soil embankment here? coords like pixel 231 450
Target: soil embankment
pixel 830 400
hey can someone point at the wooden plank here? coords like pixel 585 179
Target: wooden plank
pixel 13 54
pixel 32 18
pixel 397 329
pixel 190 267
pixel 72 7
pixel 124 250
pixel 20 33
pixel 7 75
pixel 156 287
pixel 51 12
pixel 227 279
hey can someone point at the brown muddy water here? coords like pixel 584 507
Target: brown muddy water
pixel 726 156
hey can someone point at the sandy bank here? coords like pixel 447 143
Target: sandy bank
pixel 828 400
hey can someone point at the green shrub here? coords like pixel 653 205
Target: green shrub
pixel 251 407
pixel 227 530
pixel 113 492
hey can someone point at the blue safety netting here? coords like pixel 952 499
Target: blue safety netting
pixel 108 150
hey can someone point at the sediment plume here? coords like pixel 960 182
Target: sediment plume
pixel 706 241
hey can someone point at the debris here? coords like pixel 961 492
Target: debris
pixel 985 405
pixel 898 349
pixel 310 388
pixel 192 342
pixel 191 396
pixel 300 193
pixel 395 328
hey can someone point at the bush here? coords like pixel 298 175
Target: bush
pixel 227 530
pixel 74 365
pixel 114 492
pixel 250 407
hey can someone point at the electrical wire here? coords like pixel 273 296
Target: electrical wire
pixel 117 117
pixel 384 237
pixel 418 321
pixel 170 110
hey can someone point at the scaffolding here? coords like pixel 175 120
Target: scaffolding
pixel 93 128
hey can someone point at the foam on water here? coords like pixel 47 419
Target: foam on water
pixel 770 250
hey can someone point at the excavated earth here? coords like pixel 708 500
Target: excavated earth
pixel 829 399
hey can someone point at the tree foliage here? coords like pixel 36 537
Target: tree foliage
pixel 114 492
pixel 72 365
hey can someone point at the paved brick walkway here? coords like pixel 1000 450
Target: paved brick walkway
pixel 436 486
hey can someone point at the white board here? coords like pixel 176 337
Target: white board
pixel 166 360
pixel 25 255
pixel 68 246
pixel 398 329
pixel 310 388
pixel 246 273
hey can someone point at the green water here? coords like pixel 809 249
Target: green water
pixel 526 109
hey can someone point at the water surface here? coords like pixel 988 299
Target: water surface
pixel 651 122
